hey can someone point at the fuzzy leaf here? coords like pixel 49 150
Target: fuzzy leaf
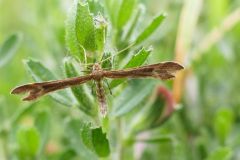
pixel 95 6
pixel 223 153
pixel 134 23
pixel 9 48
pixel 131 97
pixel 223 124
pixel 42 122
pixel 100 33
pixel 74 134
pixel 28 141
pixel 86 135
pixel 86 104
pixel 156 22
pixel 96 140
pixel 40 73
pixel 74 47
pixel 85 28
pixel 107 64
pixel 159 139
pixel 20 112
pixel 125 12
pixel 137 60
pixel 112 6
pixel 150 117
pixel 100 142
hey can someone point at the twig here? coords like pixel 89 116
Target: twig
pixel 187 24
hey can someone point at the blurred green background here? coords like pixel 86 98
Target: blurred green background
pixel 203 35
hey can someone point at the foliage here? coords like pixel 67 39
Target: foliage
pixel 145 118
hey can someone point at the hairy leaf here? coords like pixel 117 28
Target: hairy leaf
pixel 9 48
pixel 137 60
pixel 131 97
pixel 40 73
pixel 159 139
pixel 96 140
pixel 125 12
pixel 156 22
pixel 100 33
pixel 28 140
pixel 74 135
pixel 107 64
pixel 223 124
pixel 85 28
pixel 74 47
pixel 42 122
pixel 86 104
pixel 95 6
pixel 223 153
pixel 134 23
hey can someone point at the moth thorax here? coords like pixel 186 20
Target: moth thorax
pixel 97 71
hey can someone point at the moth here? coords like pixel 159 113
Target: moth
pixel 163 71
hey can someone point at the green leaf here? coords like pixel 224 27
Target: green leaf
pixel 100 142
pixel 71 37
pixel 160 139
pixel 107 64
pixel 68 154
pixel 223 153
pixel 42 122
pixel 86 104
pixel 9 48
pixel 20 112
pixel 125 12
pixel 28 141
pixel 95 140
pixel 85 28
pixel 137 60
pixel 86 135
pixel 95 6
pixel 151 116
pixel 132 96
pixel 40 73
pixel 74 134
pixel 101 27
pixel 156 22
pixel 223 122
pixel 112 6
pixel 134 22
pixel 74 47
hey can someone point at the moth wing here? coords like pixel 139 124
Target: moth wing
pixel 37 90
pixel 164 71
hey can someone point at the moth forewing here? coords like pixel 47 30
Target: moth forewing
pixel 37 90
pixel 163 71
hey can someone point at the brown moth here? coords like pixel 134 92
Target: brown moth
pixel 164 71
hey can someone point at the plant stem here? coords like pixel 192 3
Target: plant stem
pixel 187 25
